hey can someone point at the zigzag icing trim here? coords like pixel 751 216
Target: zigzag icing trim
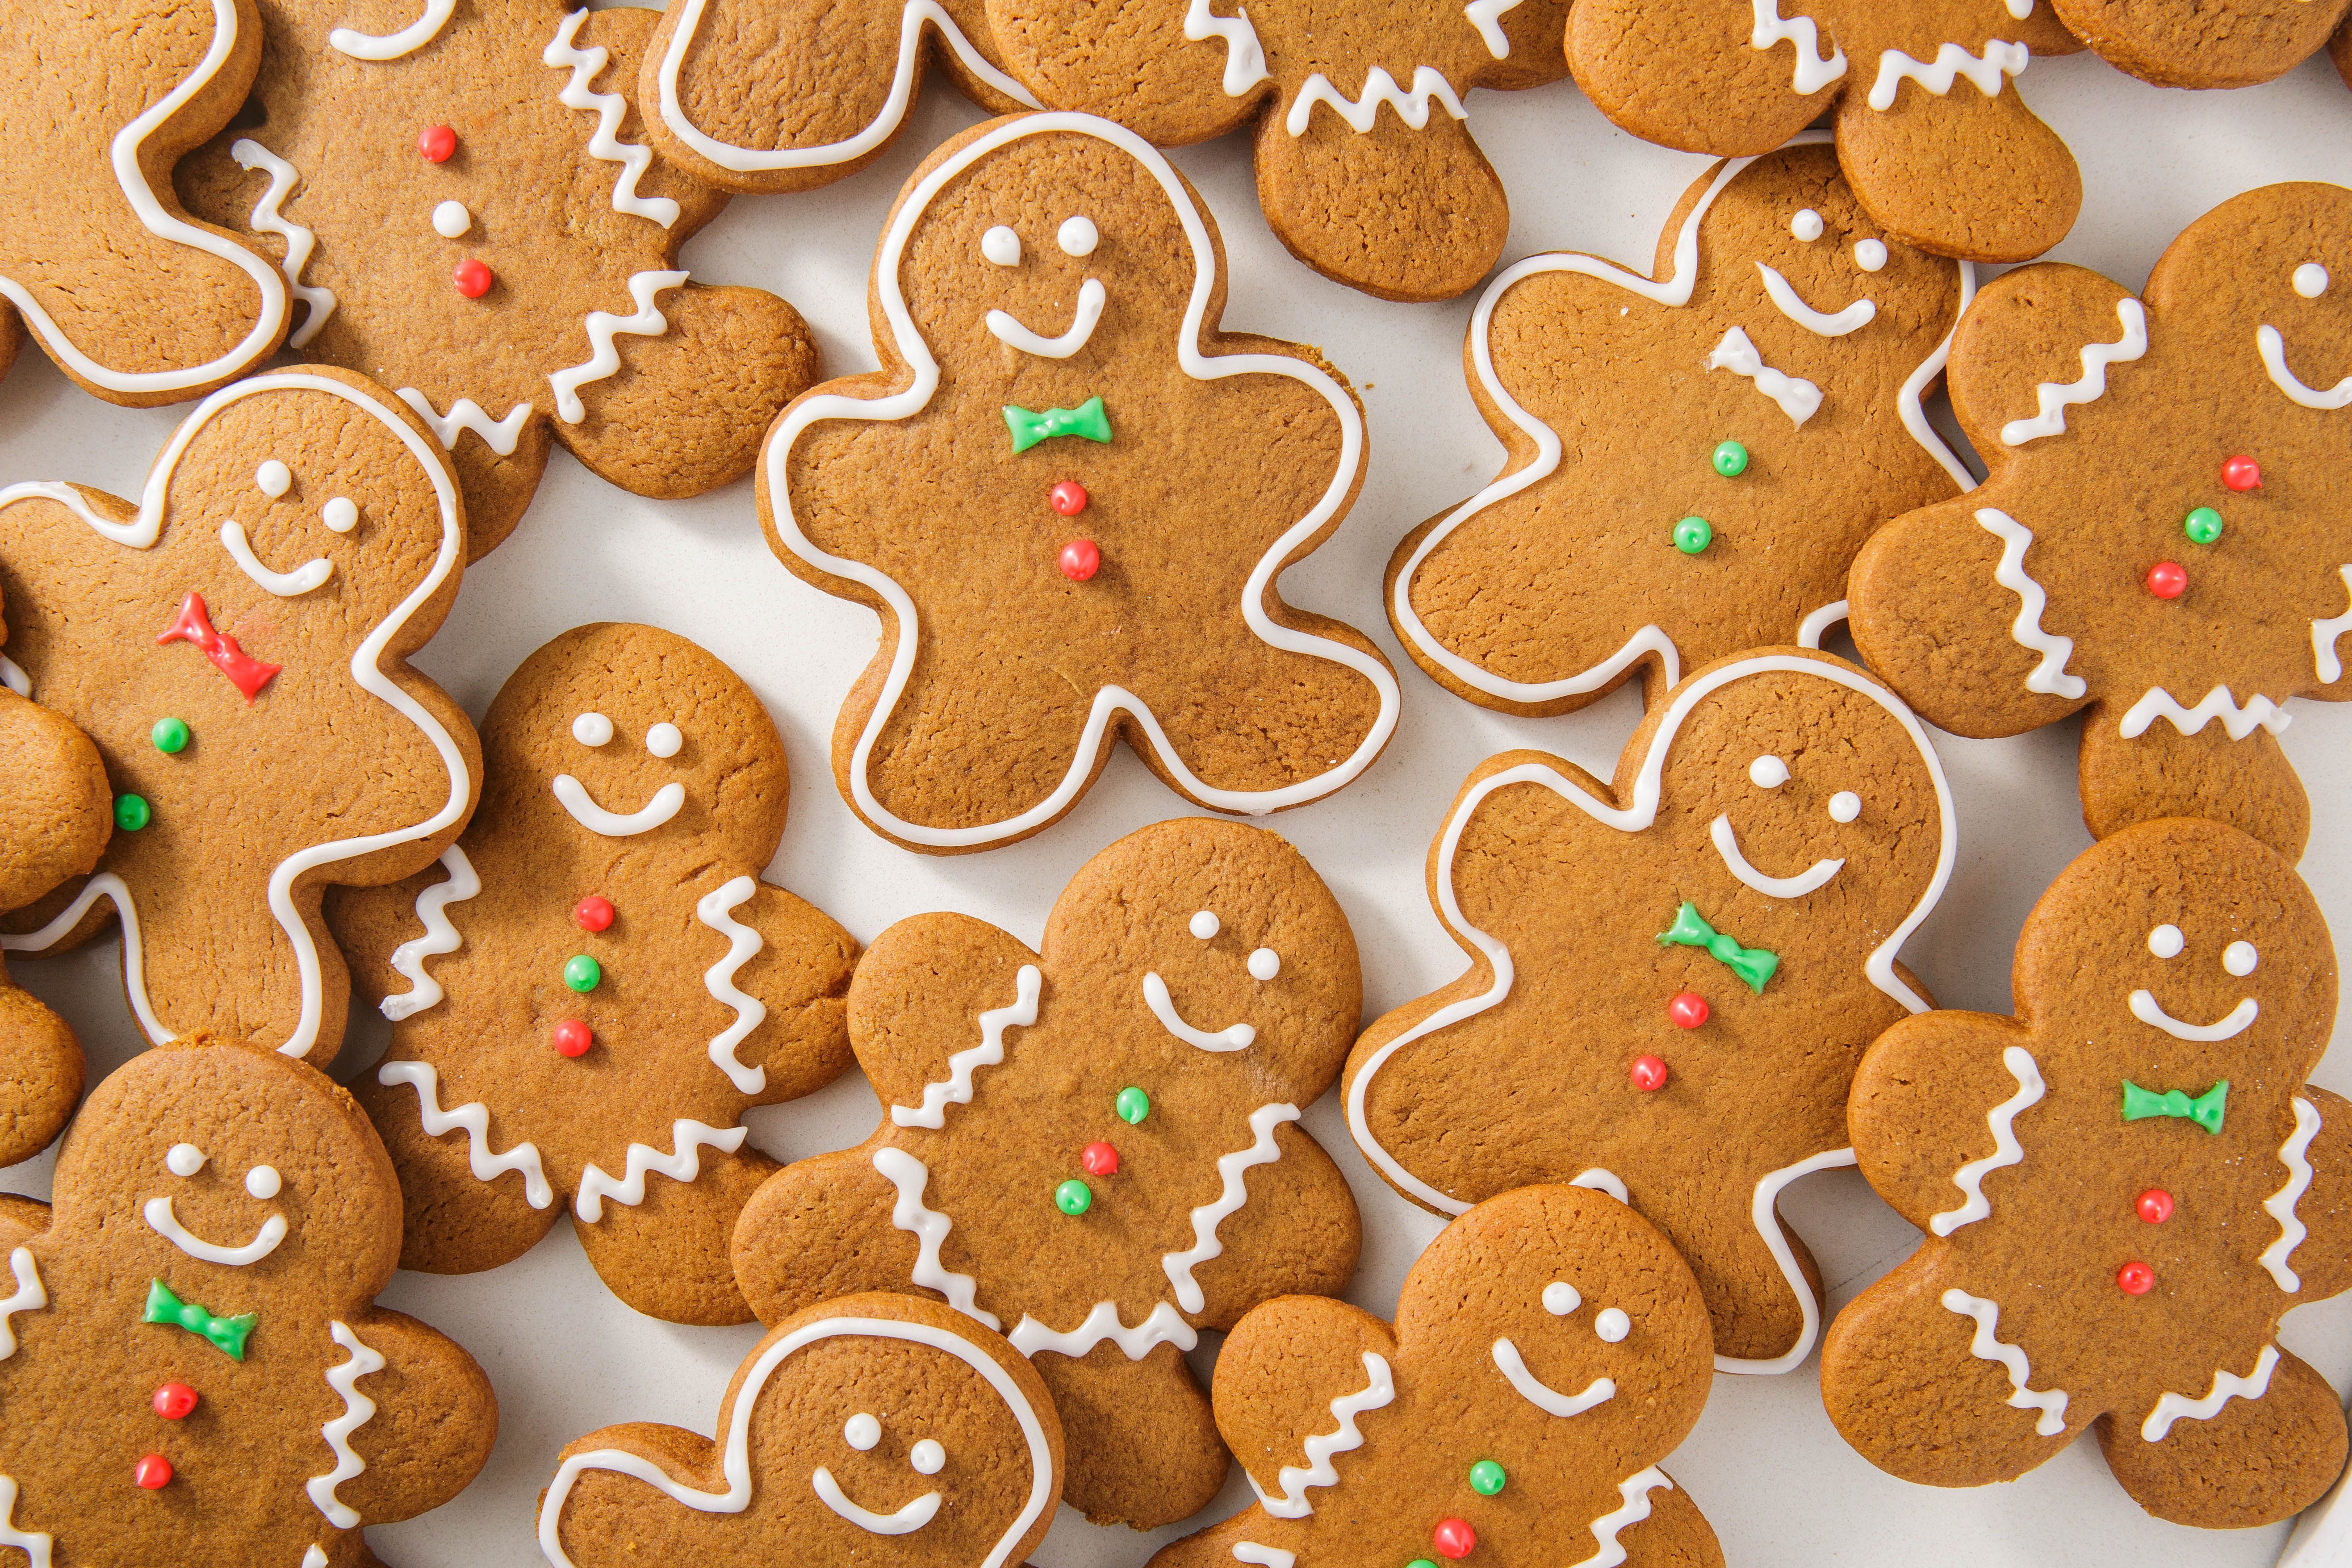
pixel 609 109
pixel 1813 73
pixel 1160 1326
pixel 687 1139
pixel 1487 16
pixel 29 1297
pixel 743 944
pixel 440 937
pixel 1379 1390
pixel 2052 398
pixel 33 1543
pixel 1234 1169
pixel 1411 104
pixel 602 326
pixel 1244 55
pixel 474 1120
pixel 358 1410
pixel 957 1090
pixel 2324 632
pixel 1635 1490
pixel 2049 677
pixel 500 435
pixel 299 241
pixel 1264 1556
pixel 2227 1385
pixel 929 1228
pixel 2052 1403
pixel 2237 722
pixel 2000 61
pixel 1970 1178
pixel 2280 1205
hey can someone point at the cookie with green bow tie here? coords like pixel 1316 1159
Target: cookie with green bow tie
pixel 2124 1187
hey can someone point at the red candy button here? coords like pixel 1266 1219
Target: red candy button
pixel 437 142
pixel 173 1401
pixel 2154 1207
pixel 1068 498
pixel 1100 1160
pixel 472 278
pixel 2135 1278
pixel 2243 473
pixel 2167 581
pixel 1080 560
pixel 574 1037
pixel 1687 1011
pixel 1647 1073
pixel 1455 1538
pixel 152 1472
pixel 593 912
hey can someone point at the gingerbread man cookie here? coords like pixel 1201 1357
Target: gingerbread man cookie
pixel 1549 1348
pixel 1734 443
pixel 462 205
pixel 872 1397
pixel 1095 1149
pixel 2174 564
pixel 1672 976
pixel 2124 1188
pixel 192 1368
pixel 1939 147
pixel 1365 166
pixel 133 299
pixel 594 985
pixel 1127 492
pixel 236 644
pixel 2199 43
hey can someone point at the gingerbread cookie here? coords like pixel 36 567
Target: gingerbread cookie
pixel 2202 43
pixel 1671 976
pixel 1123 513
pixel 2161 541
pixel 788 95
pixel 461 204
pixel 236 644
pixel 1095 1149
pixel 2340 51
pixel 1938 144
pixel 1365 166
pixel 192 1364
pixel 2124 1188
pixel 1734 443
pixel 872 1397
pixel 1549 1348
pixel 135 301
pixel 594 985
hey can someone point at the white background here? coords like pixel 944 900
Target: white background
pixel 1764 1463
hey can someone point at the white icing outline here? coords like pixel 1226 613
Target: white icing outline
pixel 1233 1037
pixel 2006 1150
pixel 1378 1393
pixel 358 1410
pixel 1541 1394
pixel 1485 16
pixel 1244 55
pixel 2281 1204
pixel 1812 73
pixel 603 327
pixel 1816 626
pixel 1633 1508
pixel 1984 1346
pixel 13 675
pixel 2273 348
pixel 2000 61
pixel 956 1088
pixel 1600 1180
pixel 1813 880
pixel 605 144
pixel 267 218
pixel 687 1139
pixel 1110 699
pixel 1825 324
pixel 2052 398
pixel 1244 1550
pixel 308 577
pixel 165 1224
pixel 1763 1213
pixel 2149 1011
pixel 743 944
pixel 29 1297
pixel 1160 1326
pixel 1006 328
pixel 34 1544
pixel 1411 104
pixel 440 937
pixel 1797 398
pixel 501 435
pixel 2227 1385
pixel 906 1521
pixel 736 1461
pixel 1232 1171
pixel 105 885
pixel 660 806
pixel 392 46
pixel 929 1228
pixel 2049 677
pixel 2236 721
pixel 474 1120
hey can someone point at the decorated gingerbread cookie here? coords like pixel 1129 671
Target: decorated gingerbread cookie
pixel 1365 165
pixel 1128 484
pixel 1549 1348
pixel 1673 976
pixel 1697 514
pixel 2162 541
pixel 2202 43
pixel 135 299
pixel 1931 130
pixel 841 1412
pixel 1095 1149
pixel 2124 1188
pixel 594 985
pixel 459 199
pixel 788 95
pixel 236 642
pixel 192 1364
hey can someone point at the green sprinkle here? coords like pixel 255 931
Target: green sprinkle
pixel 1421 1562
pixel 1692 534
pixel 582 973
pixel 1073 1197
pixel 170 735
pixel 1134 1105
pixel 1731 459
pixel 1486 1478
pixel 2203 526
pixel 130 813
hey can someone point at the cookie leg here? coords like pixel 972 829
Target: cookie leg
pixel 599 1518
pixel 456 1222
pixel 668 1256
pixel 1400 214
pixel 40 1073
pixel 1113 1409
pixel 1675 1535
pixel 2248 783
pixel 1894 159
pixel 2253 1461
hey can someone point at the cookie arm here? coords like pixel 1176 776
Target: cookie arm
pixel 1304 1369
pixel 54 815
pixel 1297 1231
pixel 1936 1113
pixel 601 1516
pixel 2322 1262
pixel 801 974
pixel 1137 62
pixel 434 1420
pixel 933 987
pixel 21 1219
pixel 1735 99
pixel 821 1229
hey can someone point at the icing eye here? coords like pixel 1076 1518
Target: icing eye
pixel 2165 942
pixel 1612 1325
pixel 273 481
pixel 1561 1299
pixel 1205 924
pixel 928 1458
pixel 1806 226
pixel 185 1159
pixel 1870 255
pixel 1001 246
pixel 339 514
pixel 663 740
pixel 1844 806
pixel 2311 279
pixel 1078 237
pixel 262 1182
pixel 1264 964
pixel 591 729
pixel 1768 771
pixel 2239 958
pixel 861 1432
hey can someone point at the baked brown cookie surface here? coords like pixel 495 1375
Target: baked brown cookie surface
pixel 2124 1187
pixel 2203 43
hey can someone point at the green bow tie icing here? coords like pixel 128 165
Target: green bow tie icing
pixel 2205 1109
pixel 1753 964
pixel 226 1334
pixel 1088 419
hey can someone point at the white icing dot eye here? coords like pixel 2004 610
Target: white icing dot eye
pixel 1264 964
pixel 1806 226
pixel 1768 771
pixel 2311 279
pixel 2239 958
pixel 185 1159
pixel 1612 1324
pixel 663 740
pixel 1078 237
pixel 1001 246
pixel 339 514
pixel 861 1432
pixel 1870 255
pixel 272 479
pixel 1844 806
pixel 2165 942
pixel 928 1458
pixel 451 219
pixel 1561 1299
pixel 1205 924
pixel 591 729
pixel 262 1182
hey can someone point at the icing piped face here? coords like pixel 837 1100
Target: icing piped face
pixel 1263 965
pixel 275 480
pixel 1075 237
pixel 186 1162
pixel 863 1432
pixel 593 730
pixel 2312 280
pixel 2238 959
pixel 1771 773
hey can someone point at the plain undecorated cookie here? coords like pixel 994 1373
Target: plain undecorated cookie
pixel 2203 43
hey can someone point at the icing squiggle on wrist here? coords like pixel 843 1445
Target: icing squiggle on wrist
pixel 929 1228
pixel 358 1410
pixel 267 218
pixel 473 1119
pixel 2237 721
pixel 2227 1385
pixel 2280 1205
pixel 1984 1346
pixel 1634 1490
pixel 956 1088
pixel 440 937
pixel 1379 1391
pixel 605 144
pixel 688 1138
pixel 1411 104
pixel 2324 634
pixel 2001 60
pixel 2049 677
pixel 500 435
pixel 2005 1150
pixel 1232 1170
pixel 29 1297
pixel 743 944
pixel 2054 398
pixel 603 327
pixel 1244 55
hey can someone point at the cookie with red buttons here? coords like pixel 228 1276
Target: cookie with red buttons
pixel 1095 1148
pixel 461 201
pixel 2174 567
pixel 193 1367
pixel 1672 974
pixel 596 982
pixel 1550 1350
pixel 2201 43
pixel 2124 1188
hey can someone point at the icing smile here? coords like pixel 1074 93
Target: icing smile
pixel 584 810
pixel 303 579
pixel 165 1224
pixel 1008 331
pixel 1155 996
pixel 1814 879
pixel 1860 313
pixel 1542 1395
pixel 906 1521
pixel 2148 1011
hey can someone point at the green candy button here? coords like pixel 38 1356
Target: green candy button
pixel 1692 534
pixel 1421 1562
pixel 582 972
pixel 1073 1197
pixel 170 735
pixel 1731 459
pixel 2203 526
pixel 130 813
pixel 1486 1478
pixel 1133 1106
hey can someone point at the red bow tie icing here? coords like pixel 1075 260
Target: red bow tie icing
pixel 194 623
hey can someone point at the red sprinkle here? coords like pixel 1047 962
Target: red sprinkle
pixel 593 912
pixel 1068 498
pixel 1687 1011
pixel 1647 1073
pixel 1099 1159
pixel 1080 560
pixel 1455 1538
pixel 2135 1278
pixel 2243 473
pixel 574 1037
pixel 437 142
pixel 152 1472
pixel 173 1401
pixel 472 278
pixel 2155 1206
pixel 2167 581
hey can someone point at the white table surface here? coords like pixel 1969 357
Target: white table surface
pixel 1771 1474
